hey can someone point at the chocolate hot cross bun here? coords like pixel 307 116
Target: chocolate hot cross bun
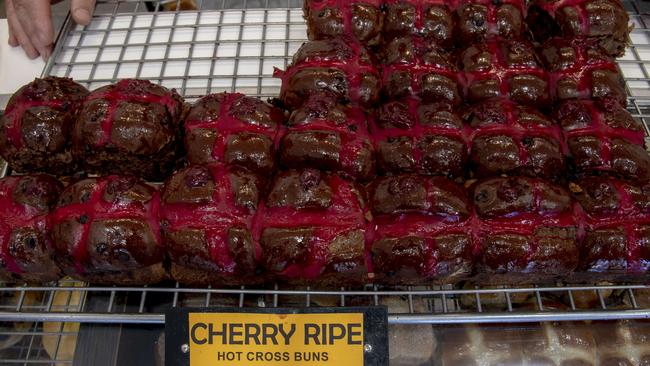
pixel 207 225
pixel 106 231
pixel 26 250
pixel 35 128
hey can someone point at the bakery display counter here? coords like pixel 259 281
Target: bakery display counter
pixel 467 323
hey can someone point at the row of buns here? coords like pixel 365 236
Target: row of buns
pixel 223 225
pixel 463 22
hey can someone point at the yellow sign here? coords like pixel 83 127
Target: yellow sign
pixel 250 339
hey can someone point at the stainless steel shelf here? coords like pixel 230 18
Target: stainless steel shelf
pixel 229 45
pixel 233 45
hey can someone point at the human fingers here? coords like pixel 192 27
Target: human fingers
pixel 18 32
pixel 82 11
pixel 35 18
pixel 13 41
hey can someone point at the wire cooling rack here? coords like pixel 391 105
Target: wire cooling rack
pixel 233 46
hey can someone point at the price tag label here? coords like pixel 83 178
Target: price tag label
pixel 276 337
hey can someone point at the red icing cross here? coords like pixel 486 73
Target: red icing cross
pixel 96 208
pixel 128 91
pixel 500 71
pixel 226 124
pixel 418 67
pixel 424 224
pixel 342 216
pixel 513 128
pixel 492 8
pixel 344 7
pixel 16 216
pixel 215 218
pixel 352 141
pixel 597 126
pixel 581 69
pixel 416 131
pixel 353 67
pixel 421 6
pixel 628 217
pixel 429 225
pixel 22 103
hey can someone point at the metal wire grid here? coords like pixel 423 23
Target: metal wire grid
pixel 233 46
pixel 196 52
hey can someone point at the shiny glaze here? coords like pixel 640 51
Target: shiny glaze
pixel 329 135
pixel 604 21
pixel 339 66
pixel 428 138
pixel 430 19
pixel 581 69
pixel 478 20
pixel 35 128
pixel 605 116
pixel 616 216
pixel 504 68
pixel 107 224
pixel 525 226
pixel 201 206
pixel 420 229
pixel 413 66
pixel 130 127
pixel 603 138
pixel 305 223
pixel 360 19
pixel 514 139
pixel 233 128
pixel 25 245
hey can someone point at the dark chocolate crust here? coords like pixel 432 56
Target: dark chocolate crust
pixel 414 66
pixel 234 129
pixel 312 230
pixel 329 135
pixel 430 20
pixel 361 20
pixel 514 139
pixel 131 127
pixel 106 230
pixel 528 231
pixel 421 231
pixel 35 128
pixel 582 69
pixel 504 68
pixel 478 20
pixel 26 253
pixel 207 221
pixel 616 244
pixel 337 66
pixel 603 21
pixel 427 138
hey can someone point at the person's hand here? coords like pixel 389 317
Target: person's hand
pixel 30 23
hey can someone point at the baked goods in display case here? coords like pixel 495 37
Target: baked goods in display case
pixel 312 229
pixel 234 129
pixel 106 230
pixel 37 123
pixel 131 127
pixel 412 142
pixel 412 136
pixel 26 247
pixel 327 134
pixel 342 67
pixel 207 225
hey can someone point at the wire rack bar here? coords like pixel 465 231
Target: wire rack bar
pixel 229 45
